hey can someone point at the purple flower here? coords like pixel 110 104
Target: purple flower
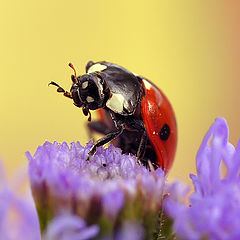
pixel 70 227
pixel 108 190
pixel 129 231
pixel 18 216
pixel 214 209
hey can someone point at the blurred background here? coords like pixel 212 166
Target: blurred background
pixel 190 49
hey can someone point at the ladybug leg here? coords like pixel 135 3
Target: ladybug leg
pixel 98 127
pixel 142 145
pixel 61 90
pixel 109 137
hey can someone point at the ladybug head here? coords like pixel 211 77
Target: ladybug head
pixel 93 91
pixel 88 91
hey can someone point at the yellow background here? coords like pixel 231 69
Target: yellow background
pixel 190 49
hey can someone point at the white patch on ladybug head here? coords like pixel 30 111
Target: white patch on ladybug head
pixel 84 84
pixel 90 99
pixel 116 102
pixel 96 68
pixel 147 84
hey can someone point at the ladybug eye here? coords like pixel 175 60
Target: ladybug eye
pixel 165 132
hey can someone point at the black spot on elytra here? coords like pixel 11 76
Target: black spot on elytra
pixel 165 132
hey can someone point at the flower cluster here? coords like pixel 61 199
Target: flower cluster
pixel 214 207
pixel 113 197
pixel 110 195
pixel 18 216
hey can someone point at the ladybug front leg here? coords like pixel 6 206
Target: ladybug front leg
pixel 61 90
pixel 99 127
pixel 109 137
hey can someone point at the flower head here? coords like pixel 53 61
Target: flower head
pixel 213 212
pixel 107 190
pixel 18 216
pixel 70 227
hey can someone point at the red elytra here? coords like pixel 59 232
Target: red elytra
pixel 157 111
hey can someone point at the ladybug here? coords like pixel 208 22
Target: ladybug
pixel 133 113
